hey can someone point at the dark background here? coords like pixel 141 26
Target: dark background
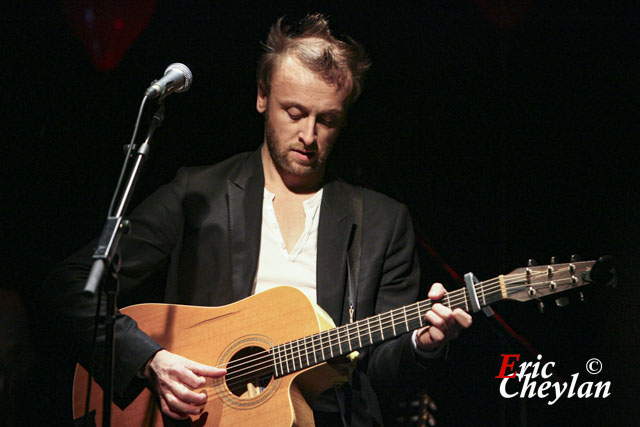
pixel 508 138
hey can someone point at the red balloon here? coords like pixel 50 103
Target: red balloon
pixel 108 28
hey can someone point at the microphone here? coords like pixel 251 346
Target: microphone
pixel 177 78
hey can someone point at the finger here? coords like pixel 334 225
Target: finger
pixel 436 335
pixel 181 407
pixel 206 370
pixel 441 310
pixel 463 318
pixel 436 320
pixel 186 395
pixel 191 379
pixel 451 322
pixel 437 291
pixel 455 322
pixel 164 407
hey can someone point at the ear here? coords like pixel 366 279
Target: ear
pixel 261 100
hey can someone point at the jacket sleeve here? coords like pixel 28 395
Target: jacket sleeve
pixel 156 226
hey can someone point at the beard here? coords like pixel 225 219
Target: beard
pixel 279 152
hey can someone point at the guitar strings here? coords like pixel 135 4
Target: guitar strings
pixel 292 353
pixel 453 297
pixel 388 320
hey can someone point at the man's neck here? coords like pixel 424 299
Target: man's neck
pixel 278 181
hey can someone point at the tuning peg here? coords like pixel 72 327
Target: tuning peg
pixel 581 296
pixel 541 307
pixel 553 260
pixel 562 302
pixel 576 258
pixel 532 262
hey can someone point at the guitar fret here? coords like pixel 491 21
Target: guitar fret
pixel 349 339
pixel 484 301
pixel 393 325
pixel 415 317
pixel 406 321
pixel 299 353
pixel 466 297
pixel 273 356
pixel 320 337
pixel 275 359
pixel 455 295
pixel 289 353
pixel 283 359
pixel 292 356
pixel 358 334
pixel 280 359
pixel 339 340
pixel 369 330
pixel 327 345
pixel 306 350
pixel 287 358
pixel 330 345
pixel 381 331
pixel 313 347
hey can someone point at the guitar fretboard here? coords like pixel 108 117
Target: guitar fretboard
pixel 311 350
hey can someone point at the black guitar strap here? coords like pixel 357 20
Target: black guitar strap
pixel 355 248
pixel 354 252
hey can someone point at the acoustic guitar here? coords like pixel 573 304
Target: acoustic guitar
pixel 275 346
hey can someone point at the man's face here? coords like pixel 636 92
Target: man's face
pixel 303 116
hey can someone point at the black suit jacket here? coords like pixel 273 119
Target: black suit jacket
pixel 205 226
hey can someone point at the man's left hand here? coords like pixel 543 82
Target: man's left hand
pixel 444 324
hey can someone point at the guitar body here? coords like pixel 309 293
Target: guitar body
pixel 215 336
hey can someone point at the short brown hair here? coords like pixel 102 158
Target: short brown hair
pixel 337 62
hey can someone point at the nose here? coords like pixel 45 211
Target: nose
pixel 307 132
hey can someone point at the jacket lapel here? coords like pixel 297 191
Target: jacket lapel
pixel 333 236
pixel 245 194
pixel 244 197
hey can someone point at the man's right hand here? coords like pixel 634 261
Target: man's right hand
pixel 173 379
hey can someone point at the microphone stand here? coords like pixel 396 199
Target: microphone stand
pixel 106 264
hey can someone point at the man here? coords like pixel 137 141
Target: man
pixel 275 217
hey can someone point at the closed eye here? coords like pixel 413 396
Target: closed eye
pixel 328 121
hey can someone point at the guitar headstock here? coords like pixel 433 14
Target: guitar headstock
pixel 539 281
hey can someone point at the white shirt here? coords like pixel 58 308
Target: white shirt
pixel 277 266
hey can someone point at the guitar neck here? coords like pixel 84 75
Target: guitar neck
pixel 521 284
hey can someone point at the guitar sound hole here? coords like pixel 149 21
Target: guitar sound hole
pixel 249 372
